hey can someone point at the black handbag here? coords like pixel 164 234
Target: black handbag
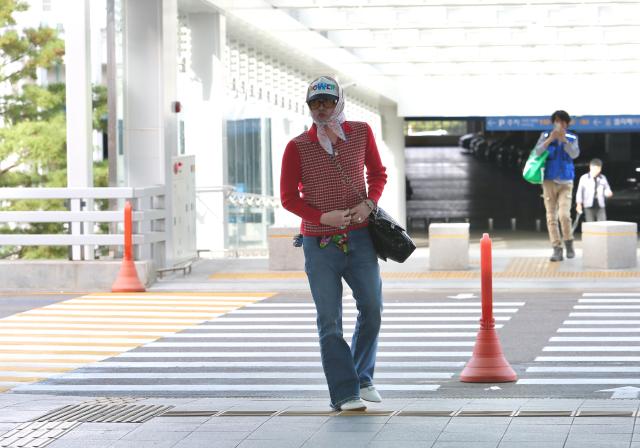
pixel 390 239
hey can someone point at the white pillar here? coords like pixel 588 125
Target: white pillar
pixel 78 109
pixel 150 125
pixel 394 199
pixel 203 89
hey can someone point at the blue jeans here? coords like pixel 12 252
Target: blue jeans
pixel 346 369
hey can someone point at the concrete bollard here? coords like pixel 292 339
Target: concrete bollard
pixel 283 255
pixel 449 246
pixel 609 244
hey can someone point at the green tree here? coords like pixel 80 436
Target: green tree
pixel 33 125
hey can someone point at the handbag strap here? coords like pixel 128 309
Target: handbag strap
pixel 347 181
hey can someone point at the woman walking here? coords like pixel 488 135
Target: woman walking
pixel 323 182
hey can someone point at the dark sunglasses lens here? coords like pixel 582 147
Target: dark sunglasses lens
pixel 315 104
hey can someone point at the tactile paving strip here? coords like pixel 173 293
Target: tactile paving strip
pixel 105 413
pixel 35 434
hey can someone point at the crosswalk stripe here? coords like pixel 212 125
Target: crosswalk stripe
pixel 590 369
pixel 384 319
pixel 20 379
pixel 595 339
pixel 244 335
pixel 598 330
pixel 52 339
pixel 588 358
pixel 31 369
pixel 604 314
pixel 257 364
pixel 177 345
pixel 386 312
pixel 271 346
pixel 244 375
pixel 270 354
pixel 602 322
pixel 568 381
pixel 609 300
pixel 611 294
pixel 594 348
pixel 388 305
pixel 210 387
pixel 72 326
pixel 607 307
pixel 112 313
pixel 221 325
pixel 66 335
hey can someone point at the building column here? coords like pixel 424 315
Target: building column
pixel 203 85
pixel 77 34
pixel 394 197
pixel 150 125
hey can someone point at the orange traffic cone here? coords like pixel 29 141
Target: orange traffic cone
pixel 127 280
pixel 487 364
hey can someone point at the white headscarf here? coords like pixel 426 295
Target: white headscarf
pixel 334 122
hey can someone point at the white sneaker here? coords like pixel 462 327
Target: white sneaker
pixel 353 405
pixel 370 394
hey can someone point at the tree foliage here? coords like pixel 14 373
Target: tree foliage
pixel 33 124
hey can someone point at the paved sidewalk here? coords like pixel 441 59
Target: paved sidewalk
pixel 217 423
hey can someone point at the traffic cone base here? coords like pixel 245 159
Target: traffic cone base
pixel 488 364
pixel 127 280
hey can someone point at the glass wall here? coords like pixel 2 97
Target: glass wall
pixel 250 205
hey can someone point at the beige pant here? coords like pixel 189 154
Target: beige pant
pixel 557 202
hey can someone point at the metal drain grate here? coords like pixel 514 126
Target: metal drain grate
pixel 605 413
pixel 115 400
pixel 35 434
pixel 105 413
pixel 426 413
pixel 543 413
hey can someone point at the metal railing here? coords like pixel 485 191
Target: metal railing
pixel 149 212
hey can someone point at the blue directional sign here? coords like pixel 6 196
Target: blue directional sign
pixel 585 123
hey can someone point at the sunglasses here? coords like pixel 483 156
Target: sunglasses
pixel 325 102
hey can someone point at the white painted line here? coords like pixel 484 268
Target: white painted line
pixel 314 334
pixel 85 338
pixel 31 364
pixel 77 326
pixel 577 381
pixel 588 358
pixel 269 354
pixel 609 300
pixel 147 296
pixel 209 387
pixel 594 348
pixel 64 348
pixel 599 330
pixel 220 325
pixel 244 375
pixel 178 345
pixel 9 384
pixel 34 356
pixel 258 364
pixel 70 308
pixel 30 374
pixel 83 333
pixel 604 314
pixel 386 304
pixel 602 322
pixel 229 318
pixel 611 294
pixel 169 312
pixel 595 339
pixel 109 320
pixel 386 311
pixel 590 369
pixel 607 307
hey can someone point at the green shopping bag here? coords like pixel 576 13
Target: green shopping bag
pixel 533 171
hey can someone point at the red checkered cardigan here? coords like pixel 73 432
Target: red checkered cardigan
pixel 311 185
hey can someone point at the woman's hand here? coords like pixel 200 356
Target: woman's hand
pixel 360 212
pixel 336 218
